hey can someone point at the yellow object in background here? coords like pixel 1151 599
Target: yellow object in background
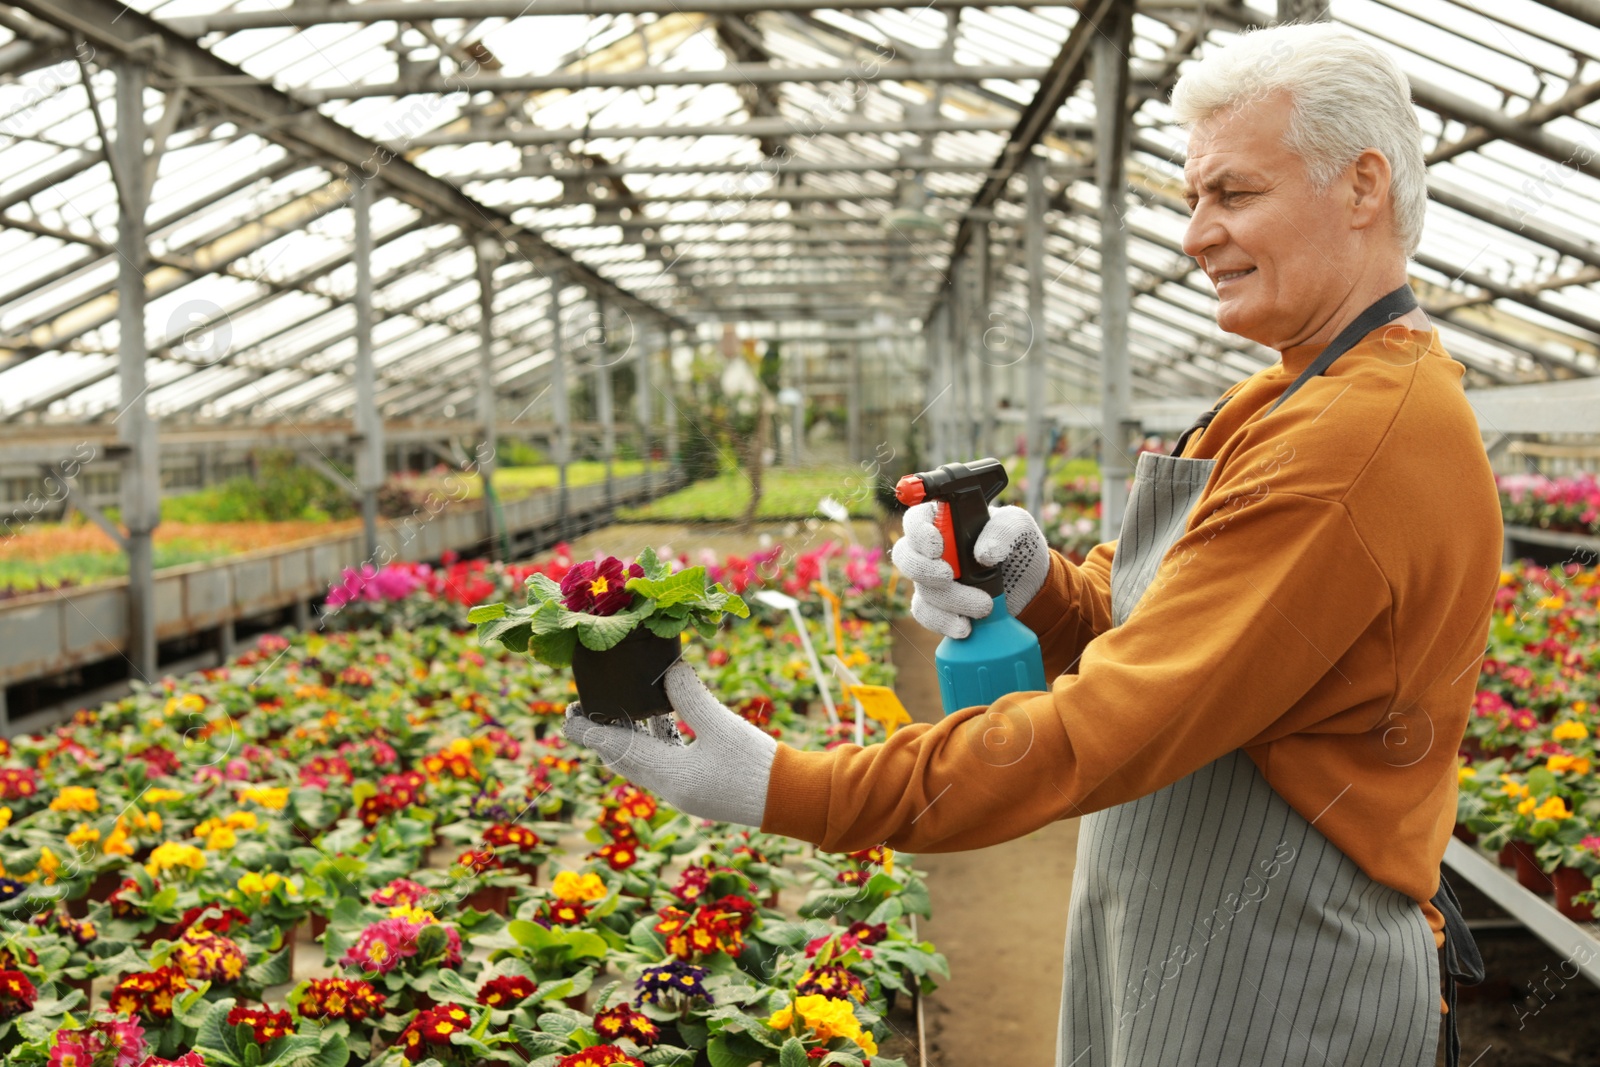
pixel 838 627
pixel 881 703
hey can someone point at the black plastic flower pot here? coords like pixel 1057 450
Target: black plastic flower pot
pixel 626 681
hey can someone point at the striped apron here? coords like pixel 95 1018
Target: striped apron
pixel 1210 922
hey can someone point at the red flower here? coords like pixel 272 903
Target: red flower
pixel 623 1021
pixel 506 990
pixel 599 588
pixel 600 1056
pixel 266 1024
pixel 16 994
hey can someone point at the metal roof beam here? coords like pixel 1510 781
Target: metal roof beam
pixel 734 74
pixel 800 126
pixel 311 14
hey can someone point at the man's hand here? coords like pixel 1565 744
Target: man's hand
pixel 722 775
pixel 1010 540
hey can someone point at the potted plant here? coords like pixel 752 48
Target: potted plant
pixel 618 626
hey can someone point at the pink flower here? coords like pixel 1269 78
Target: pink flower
pixel 127 1037
pixel 70 1053
pixel 1591 843
pixel 382 946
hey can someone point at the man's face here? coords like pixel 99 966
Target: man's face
pixel 1280 254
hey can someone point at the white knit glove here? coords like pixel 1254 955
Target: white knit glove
pixel 1010 539
pixel 721 775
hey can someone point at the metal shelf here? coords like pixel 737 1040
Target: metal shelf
pixel 1575 942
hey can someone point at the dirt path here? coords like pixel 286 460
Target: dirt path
pixel 999 917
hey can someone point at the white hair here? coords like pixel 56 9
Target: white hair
pixel 1347 96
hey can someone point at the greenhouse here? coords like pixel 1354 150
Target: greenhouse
pixel 593 532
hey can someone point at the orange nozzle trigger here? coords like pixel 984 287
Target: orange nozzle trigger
pixel 947 530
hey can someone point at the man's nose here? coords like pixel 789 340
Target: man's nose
pixel 1203 232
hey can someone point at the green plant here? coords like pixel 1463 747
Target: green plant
pixel 587 606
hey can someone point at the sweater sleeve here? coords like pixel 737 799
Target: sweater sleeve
pixel 1251 610
pixel 1072 608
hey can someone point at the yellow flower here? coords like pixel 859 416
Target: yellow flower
pixel 781 1019
pixel 1527 806
pixel 1554 808
pixel 48 864
pixel 1580 707
pixel 1575 764
pixel 1512 787
pixel 172 856
pixel 253 884
pixel 413 914
pixel 267 796
pixel 1552 603
pixel 75 798
pixel 1464 772
pixel 828 1018
pixel 573 887
pixel 117 843
pixel 161 796
pixel 221 839
pixel 84 834
pixel 5 818
pixel 243 820
pixel 1570 731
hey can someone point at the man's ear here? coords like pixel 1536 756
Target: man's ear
pixel 1368 179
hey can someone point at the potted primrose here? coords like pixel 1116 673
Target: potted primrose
pixel 618 626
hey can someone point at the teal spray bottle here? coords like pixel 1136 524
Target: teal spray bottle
pixel 1000 655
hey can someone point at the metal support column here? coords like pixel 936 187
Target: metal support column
pixel 490 252
pixel 643 354
pixel 960 440
pixel 558 402
pixel 982 340
pixel 1038 350
pixel 603 402
pixel 136 431
pixel 936 333
pixel 670 411
pixel 367 422
pixel 853 398
pixel 1110 58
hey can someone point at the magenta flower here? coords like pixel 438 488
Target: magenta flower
pixel 68 1053
pixel 599 588
pixel 382 946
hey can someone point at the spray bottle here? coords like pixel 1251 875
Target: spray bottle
pixel 1000 655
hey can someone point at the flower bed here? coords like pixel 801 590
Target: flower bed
pixel 1528 782
pixel 480 891
pixel 1570 504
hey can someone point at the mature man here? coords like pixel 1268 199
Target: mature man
pixel 1260 687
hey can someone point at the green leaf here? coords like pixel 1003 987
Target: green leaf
pixel 543 588
pixel 667 1054
pixel 274 970
pixel 720 1055
pixel 558 1023
pixel 537 1042
pixel 793 1054
pixel 486 613
pixel 666 625
pixel 513 633
pixel 652 566
pixel 554 649
pixel 687 586
pixel 333 1053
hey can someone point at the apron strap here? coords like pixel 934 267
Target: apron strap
pixel 1199 426
pixel 1463 963
pixel 1387 308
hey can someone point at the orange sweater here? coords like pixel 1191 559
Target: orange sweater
pixel 1326 611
